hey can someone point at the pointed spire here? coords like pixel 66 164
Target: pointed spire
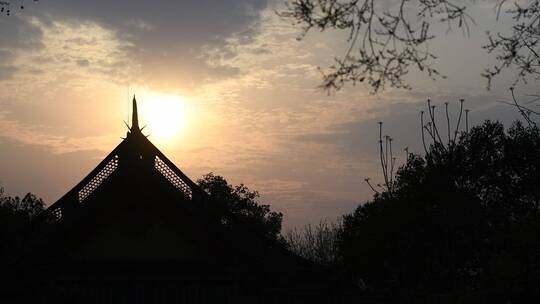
pixel 135 117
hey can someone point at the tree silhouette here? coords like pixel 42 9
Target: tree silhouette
pixel 317 243
pixel 240 208
pixel 15 215
pixel 462 218
pixel 387 40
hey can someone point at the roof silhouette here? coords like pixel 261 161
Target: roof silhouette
pixel 137 206
pixel 136 228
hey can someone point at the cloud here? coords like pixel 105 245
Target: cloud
pixel 33 168
pixel 35 135
pixel 67 68
pixel 83 62
pixel 401 121
pixel 166 38
pixel 6 71
pixel 17 33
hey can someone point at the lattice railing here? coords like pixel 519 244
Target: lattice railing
pixel 55 215
pixel 173 178
pixel 98 179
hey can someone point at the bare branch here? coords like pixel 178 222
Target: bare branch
pixel 385 42
pixel 520 49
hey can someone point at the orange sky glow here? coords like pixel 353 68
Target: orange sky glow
pixel 225 89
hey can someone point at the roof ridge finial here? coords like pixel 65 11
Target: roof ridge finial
pixel 135 117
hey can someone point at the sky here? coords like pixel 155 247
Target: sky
pixel 223 87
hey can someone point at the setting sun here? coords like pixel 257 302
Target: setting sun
pixel 270 151
pixel 163 115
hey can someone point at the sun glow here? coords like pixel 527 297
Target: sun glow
pixel 163 115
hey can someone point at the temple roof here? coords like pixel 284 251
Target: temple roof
pixel 136 187
pixel 136 205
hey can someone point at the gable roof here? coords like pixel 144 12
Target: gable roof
pixel 134 188
pixel 136 205
pixel 135 148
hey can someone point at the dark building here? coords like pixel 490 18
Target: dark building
pixel 138 230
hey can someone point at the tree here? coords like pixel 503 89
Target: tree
pixel 318 243
pixel 240 207
pixel 388 39
pixel 15 216
pixel 463 217
pixel 29 206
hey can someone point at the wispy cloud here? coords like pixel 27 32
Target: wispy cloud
pixel 67 68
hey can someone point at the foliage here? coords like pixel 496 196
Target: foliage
pixel 388 39
pixel 317 243
pixel 241 207
pixel 463 217
pixel 15 215
pixel 29 206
